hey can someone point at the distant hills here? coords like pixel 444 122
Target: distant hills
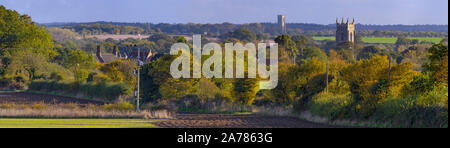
pixel 304 26
pixel 270 29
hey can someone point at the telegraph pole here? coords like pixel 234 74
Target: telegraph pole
pixel 326 80
pixel 138 79
pixel 389 71
pixel 138 75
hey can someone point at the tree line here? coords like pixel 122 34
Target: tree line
pixel 271 29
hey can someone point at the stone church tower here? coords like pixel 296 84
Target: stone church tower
pixel 282 24
pixel 345 31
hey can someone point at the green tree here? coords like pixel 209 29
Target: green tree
pixel 245 90
pixel 437 63
pixel 182 39
pixel 243 34
pixel 403 41
pixel 311 52
pixel 76 58
pixel 304 40
pixel 153 75
pixel 369 51
pixel 20 32
pixel 27 63
pixel 121 71
pixel 287 47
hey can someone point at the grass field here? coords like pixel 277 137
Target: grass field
pixel 76 123
pixel 387 40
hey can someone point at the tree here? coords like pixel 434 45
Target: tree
pixel 363 74
pixel 27 63
pixel 304 39
pixel 121 71
pixel 182 39
pixel 403 41
pixel 311 52
pixel 173 89
pixel 245 90
pixel 369 51
pixel 437 63
pixel 153 75
pixel 163 42
pixel 243 34
pixel 207 90
pixel 345 46
pixel 20 32
pixel 301 45
pixel 79 59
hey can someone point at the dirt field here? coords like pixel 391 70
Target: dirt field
pixel 30 98
pixel 236 121
pixel 182 120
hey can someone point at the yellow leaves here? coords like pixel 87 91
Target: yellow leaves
pixel 367 70
pixel 207 89
pixel 177 88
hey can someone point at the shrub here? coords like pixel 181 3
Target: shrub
pixel 332 106
pixel 98 77
pixel 57 76
pixel 406 112
pixel 21 78
pixel 4 83
pixel 245 90
pixel 81 75
pixel 16 86
pixel 105 91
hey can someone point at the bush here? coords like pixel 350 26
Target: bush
pixel 81 75
pixel 105 91
pixel 21 78
pixel 4 83
pixel 57 76
pixel 415 111
pixel 98 77
pixel 332 106
pixel 16 86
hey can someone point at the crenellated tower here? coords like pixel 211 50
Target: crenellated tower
pixel 345 31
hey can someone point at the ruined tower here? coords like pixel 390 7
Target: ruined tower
pixel 345 31
pixel 282 24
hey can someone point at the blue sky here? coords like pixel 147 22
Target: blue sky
pixel 234 11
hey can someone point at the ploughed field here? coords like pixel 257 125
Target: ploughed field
pixel 181 120
pixel 237 121
pixel 32 98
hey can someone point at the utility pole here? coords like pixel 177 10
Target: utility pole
pixel 389 71
pixel 138 79
pixel 326 81
pixel 138 75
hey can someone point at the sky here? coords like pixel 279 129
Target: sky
pixel 408 12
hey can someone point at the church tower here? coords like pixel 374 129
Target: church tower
pixel 345 31
pixel 282 24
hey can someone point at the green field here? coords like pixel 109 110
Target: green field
pixel 77 123
pixel 387 40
